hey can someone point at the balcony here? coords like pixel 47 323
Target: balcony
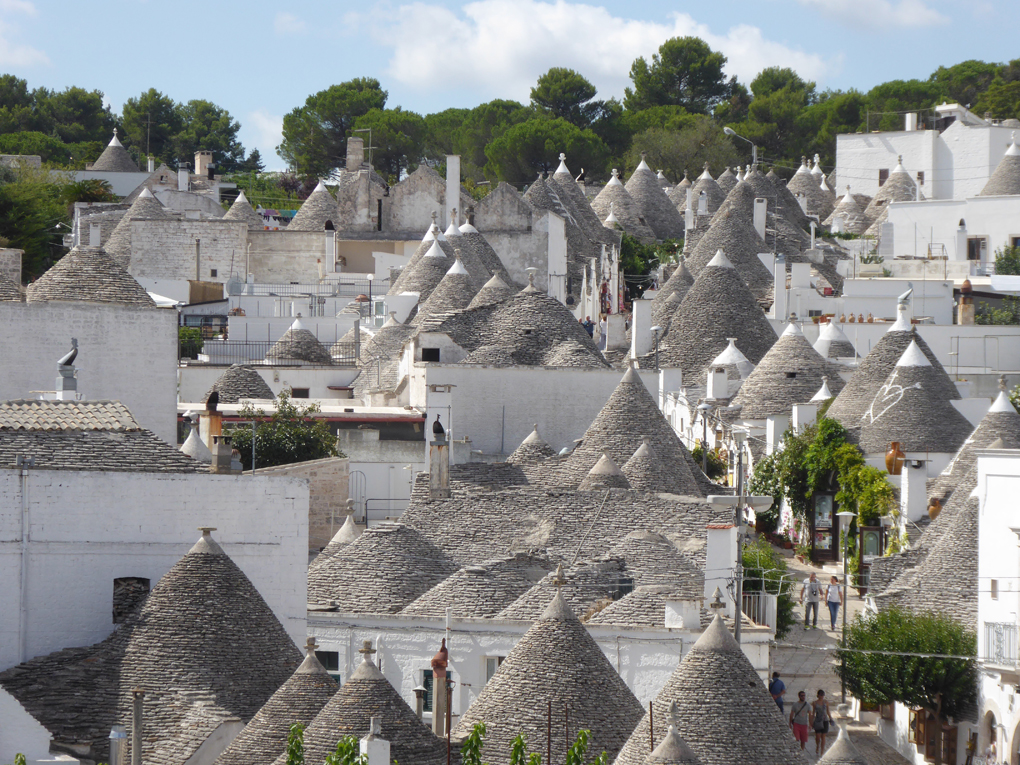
pixel 1001 645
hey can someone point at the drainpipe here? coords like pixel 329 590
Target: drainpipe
pixel 24 463
pixel 137 695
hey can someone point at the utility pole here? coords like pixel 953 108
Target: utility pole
pixel 738 436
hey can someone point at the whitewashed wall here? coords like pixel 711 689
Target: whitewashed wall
pixel 88 528
pixel 916 224
pixel 196 380
pixel 125 354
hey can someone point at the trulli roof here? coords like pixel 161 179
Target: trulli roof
pixel 1006 178
pixel 145 207
pixel 115 158
pixel 318 208
pixel 532 449
pixel 299 346
pixel 833 343
pixel 660 214
pixel 240 381
pixel 732 232
pixel 614 198
pixel 90 275
pixel 242 210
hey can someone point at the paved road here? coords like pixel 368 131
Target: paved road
pixel 805 660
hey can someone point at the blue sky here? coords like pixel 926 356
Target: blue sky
pixel 260 61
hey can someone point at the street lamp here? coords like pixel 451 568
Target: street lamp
pixel 754 149
pixel 371 308
pixel 655 331
pixel 845 516
pixel 704 408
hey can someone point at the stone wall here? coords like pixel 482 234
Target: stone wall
pixel 328 481
pixel 204 250
pixel 89 528
pixel 125 354
pixel 282 257
pixel 10 263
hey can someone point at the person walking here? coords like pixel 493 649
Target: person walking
pixel 777 688
pixel 800 717
pixel 810 594
pixel 820 719
pixel 834 599
pixel 589 326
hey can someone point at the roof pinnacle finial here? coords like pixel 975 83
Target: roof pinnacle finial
pixel 115 132
pixel 366 650
pixel 644 154
pixel 558 579
pixel 706 166
pixel 1002 382
pixel 433 217
pixel 310 646
pixel 207 530
pixel 671 714
pixel 616 173
pixel 531 278
pixel 563 157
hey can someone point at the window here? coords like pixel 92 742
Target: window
pixel 212 272
pixel 977 246
pixel 883 176
pixel 427 681
pixel 1014 241
pixel 995 589
pixel 791 375
pixel 430 354
pixel 128 594
pixel 812 312
pixel 491 665
pixel 299 392
pixel 330 660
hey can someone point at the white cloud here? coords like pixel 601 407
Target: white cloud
pixel 264 131
pixel 288 24
pixel 18 6
pixel 501 47
pixel 18 54
pixel 879 15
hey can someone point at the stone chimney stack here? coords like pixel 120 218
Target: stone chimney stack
pixel 355 154
pixel 183 179
pixel 95 235
pixel 374 748
pixel 439 705
pixel 222 455
pixel 439 463
pixel 720 554
pixel 67 375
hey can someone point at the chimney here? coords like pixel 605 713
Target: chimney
pixel 118 745
pixel 439 463
pixel 355 154
pixel 67 375
pixel 689 210
pixel 641 340
pixel 439 691
pixel 203 160
pixel 95 235
pixel 670 381
pixel 452 188
pixel 137 696
pixel 965 309
pixel 720 557
pixel 182 177
pixel 802 201
pixel 913 490
pixel 222 455
pixel 680 615
pixel 775 426
pixel 760 208
pixel 374 749
pixel 718 383
pixel 150 164
pixel 702 204
pixel 910 121
pixel 780 306
pixel 804 415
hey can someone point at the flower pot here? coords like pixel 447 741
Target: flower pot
pixel 788 545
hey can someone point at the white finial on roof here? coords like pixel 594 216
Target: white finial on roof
pixel 452 229
pixel 1001 403
pixel 563 164
pixel 611 219
pixel 817 169
pixel 899 165
pixel 803 167
pixel 642 165
pixel 731 356
pixel 115 141
pixel 467 228
pixel 793 328
pixel 822 184
pixel 660 176
pixel 902 323
pixel 435 251
pixel 720 260
pixel 297 325
pixel 241 197
pixel 533 437
pixel 740 174
pixel 615 180
pixel 1013 149
pixel 146 194
pixel 913 357
pixel 320 186
pixel 458 266
pixel 823 394
pixel 705 175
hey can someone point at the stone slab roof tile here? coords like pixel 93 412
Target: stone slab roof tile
pixel 88 274
pixel 238 382
pixel 660 214
pixel 315 211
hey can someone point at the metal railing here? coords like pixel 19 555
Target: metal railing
pixel 762 608
pixel 340 288
pixel 1001 643
pixel 227 352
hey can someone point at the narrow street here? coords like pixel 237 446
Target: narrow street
pixel 805 660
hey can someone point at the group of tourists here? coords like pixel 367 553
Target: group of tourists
pixel 804 716
pixel 811 595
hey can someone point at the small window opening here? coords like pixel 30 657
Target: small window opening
pixel 212 272
pixel 995 589
pixel 299 392
pixel 430 354
pixel 790 375
pixel 883 176
pixel 128 594
pixel 330 660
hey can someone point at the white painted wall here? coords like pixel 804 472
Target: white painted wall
pixel 20 733
pixel 918 224
pixel 88 528
pixel 125 354
pixel 496 407
pixel 197 379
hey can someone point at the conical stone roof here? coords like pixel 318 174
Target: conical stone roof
pixel 9 291
pixel 733 233
pixel 628 417
pixel 424 272
pixel 1006 178
pixel 90 275
pixel 673 750
pixel 454 291
pixel 382 571
pixel 299 346
pixel 496 290
pixel 298 700
pixel 582 586
pixel 678 194
pixel 573 199
pixel 737 367
pixel 367 694
pixel 240 381
pixel 614 198
pixel 714 192
pixel 842 752
pixel 819 201
pixel 532 449
pixel 318 208
pixel 679 281
pixel 145 207
pixel 832 342
pixel 718 306
pixel 115 158
pixel 556 662
pixel 348 532
pixel 663 313
pixel 727 180
pixel 790 373
pixel 477 248
pixel 851 211
pixel 719 698
pixel 899 187
pixel 242 210
pixel 660 214
pixel 605 474
pixel 646 472
pixel 853 401
pixel 909 408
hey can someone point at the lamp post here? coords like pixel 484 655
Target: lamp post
pixel 371 308
pixel 754 149
pixel 655 331
pixel 704 408
pixel 845 517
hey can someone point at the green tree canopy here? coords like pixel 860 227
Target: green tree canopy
pixel 524 150
pixel 1002 99
pixel 674 151
pixel 566 94
pixel 945 687
pixel 75 115
pixel 398 137
pixel 887 102
pixel 964 82
pixel 315 135
pixel 209 127
pixel 290 434
pixel 152 120
pixel 685 72
pixel 482 125
pixel 30 209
